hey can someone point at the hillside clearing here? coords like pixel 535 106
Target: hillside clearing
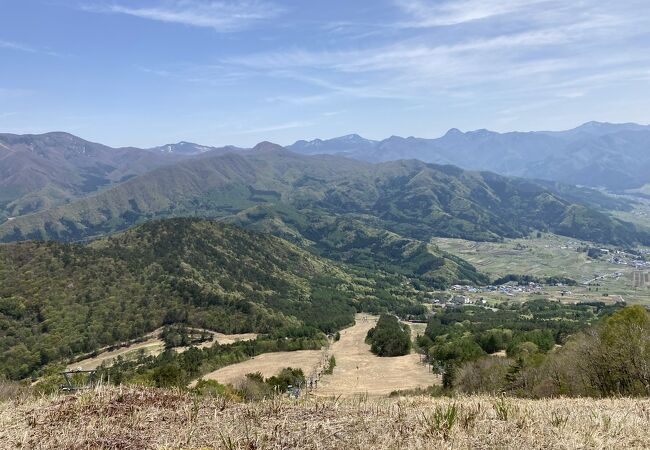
pixel 358 371
pixel 147 418
pixel 154 346
pixel 268 364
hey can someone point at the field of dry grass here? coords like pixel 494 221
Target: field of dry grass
pixel 268 364
pixel 153 346
pixel 358 371
pixel 146 418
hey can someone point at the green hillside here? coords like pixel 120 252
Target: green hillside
pixel 59 300
pixel 410 198
pixel 356 242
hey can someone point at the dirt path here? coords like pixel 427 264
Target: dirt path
pixel 359 371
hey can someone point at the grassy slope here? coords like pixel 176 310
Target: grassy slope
pixel 131 418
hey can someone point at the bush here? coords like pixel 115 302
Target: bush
pixel 255 387
pixel 608 359
pixel 212 388
pixel 330 366
pixel 485 375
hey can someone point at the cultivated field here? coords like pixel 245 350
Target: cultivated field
pixel 548 256
pixel 154 346
pixel 358 371
pixel 147 418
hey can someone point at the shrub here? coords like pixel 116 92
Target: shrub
pixel 330 366
pixel 486 375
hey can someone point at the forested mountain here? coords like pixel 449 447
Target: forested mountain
pixel 41 171
pixel 615 156
pixel 58 300
pixel 306 193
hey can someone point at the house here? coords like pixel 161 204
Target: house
pixel 461 300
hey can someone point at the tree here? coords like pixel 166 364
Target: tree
pixel 389 337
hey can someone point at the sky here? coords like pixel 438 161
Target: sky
pixel 150 72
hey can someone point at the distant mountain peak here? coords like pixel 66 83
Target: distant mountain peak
pixel 607 127
pixel 183 148
pixel 454 132
pixel 266 146
pixel 352 137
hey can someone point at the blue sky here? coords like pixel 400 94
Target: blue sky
pixel 149 72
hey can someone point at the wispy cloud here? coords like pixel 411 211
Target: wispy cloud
pixel 570 42
pixel 277 127
pixel 223 16
pixel 20 47
pixel 429 13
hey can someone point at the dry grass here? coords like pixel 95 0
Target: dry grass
pixel 268 364
pixel 359 371
pixel 146 418
pixel 154 346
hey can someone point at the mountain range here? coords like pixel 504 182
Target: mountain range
pixel 38 172
pixel 292 195
pixel 41 171
pixel 613 156
pixel 315 237
pixel 374 215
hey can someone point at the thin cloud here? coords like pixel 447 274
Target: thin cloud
pixel 555 47
pixel 17 46
pixel 454 12
pixel 222 16
pixel 278 127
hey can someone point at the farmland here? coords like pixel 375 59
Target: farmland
pixel 549 256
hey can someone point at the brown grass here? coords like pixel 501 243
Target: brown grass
pixel 358 371
pixel 268 364
pixel 154 346
pixel 147 418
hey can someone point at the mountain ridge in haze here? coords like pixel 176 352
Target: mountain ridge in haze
pixel 597 154
pixel 409 197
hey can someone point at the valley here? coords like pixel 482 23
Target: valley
pixel 608 278
pixel 272 224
